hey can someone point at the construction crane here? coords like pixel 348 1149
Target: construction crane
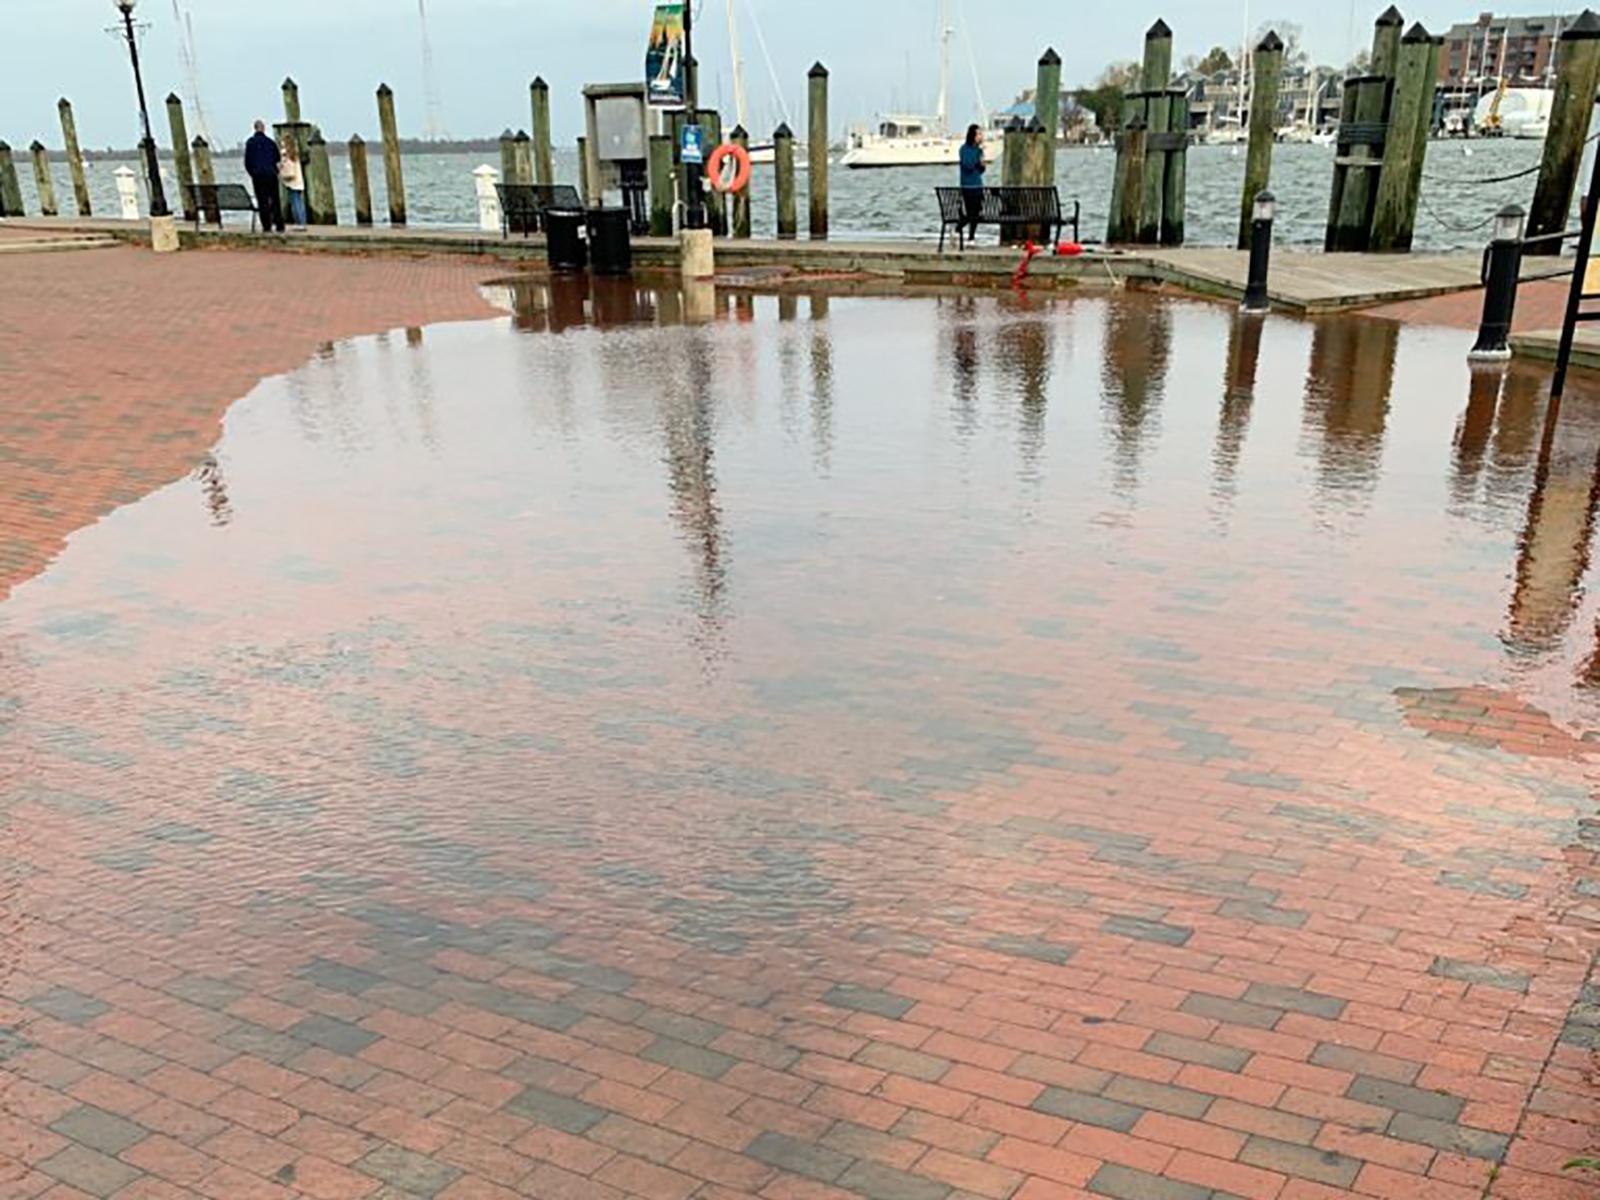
pixel 433 122
pixel 183 22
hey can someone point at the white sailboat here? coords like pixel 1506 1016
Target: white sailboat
pixel 911 139
pixel 762 150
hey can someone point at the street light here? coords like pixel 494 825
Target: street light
pixel 158 199
pixel 1502 265
pixel 1262 210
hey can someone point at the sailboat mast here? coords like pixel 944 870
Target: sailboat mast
pixel 738 71
pixel 943 112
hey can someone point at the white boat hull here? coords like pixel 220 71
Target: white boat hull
pixel 903 152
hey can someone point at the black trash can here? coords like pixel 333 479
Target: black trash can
pixel 563 232
pixel 610 244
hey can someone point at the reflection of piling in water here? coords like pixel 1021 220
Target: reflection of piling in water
pixel 1133 379
pixel 689 432
pixel 616 301
pixel 1472 434
pixel 821 384
pixel 1348 383
pixel 1553 552
pixel 962 338
pixel 1516 431
pixel 1238 395
pixel 569 297
pixel 1023 358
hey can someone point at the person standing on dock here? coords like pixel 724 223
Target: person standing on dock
pixel 972 168
pixel 261 164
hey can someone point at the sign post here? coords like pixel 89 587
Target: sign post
pixel 670 82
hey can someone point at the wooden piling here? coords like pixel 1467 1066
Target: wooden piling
pixel 522 156
pixel 321 207
pixel 1157 114
pixel 817 149
pixel 508 156
pixel 1035 143
pixel 181 164
pixel 291 102
pixel 1386 42
pixel 391 156
pixel 360 180
pixel 783 180
pixel 1577 72
pixel 1156 72
pixel 1394 212
pixel 1129 192
pixel 69 136
pixel 1177 174
pixel 43 181
pixel 1047 108
pixel 10 187
pixel 1359 156
pixel 205 172
pixel 1013 158
pixel 1263 127
pixel 741 198
pixel 716 202
pixel 663 185
pixel 543 162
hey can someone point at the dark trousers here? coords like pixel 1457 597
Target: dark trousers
pixel 267 202
pixel 972 203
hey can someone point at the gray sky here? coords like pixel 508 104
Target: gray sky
pixel 881 54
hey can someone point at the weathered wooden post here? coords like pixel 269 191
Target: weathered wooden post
pixel 508 156
pixel 1268 63
pixel 1128 189
pixel 1047 107
pixel 663 185
pixel 206 174
pixel 1013 153
pixel 321 207
pixel 543 164
pixel 360 180
pixel 817 149
pixel 1034 168
pixel 583 173
pixel 1153 79
pixel 10 187
pixel 1386 42
pixel 1577 71
pixel 741 198
pixel 181 163
pixel 1358 156
pixel 716 202
pixel 69 135
pixel 43 180
pixel 391 156
pixel 291 101
pixel 783 180
pixel 1176 196
pixel 522 152
pixel 1394 213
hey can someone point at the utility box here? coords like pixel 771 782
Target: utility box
pixel 616 164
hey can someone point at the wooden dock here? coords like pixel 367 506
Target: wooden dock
pixel 1302 281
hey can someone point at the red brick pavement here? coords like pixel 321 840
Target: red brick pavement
pixel 116 365
pixel 1539 306
pixel 1028 893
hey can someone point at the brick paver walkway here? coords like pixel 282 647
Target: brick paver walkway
pixel 116 365
pixel 358 854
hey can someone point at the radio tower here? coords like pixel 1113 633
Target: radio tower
pixel 183 22
pixel 433 125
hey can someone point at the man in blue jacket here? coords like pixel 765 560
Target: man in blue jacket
pixel 261 164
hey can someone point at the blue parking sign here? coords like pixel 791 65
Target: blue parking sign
pixel 691 149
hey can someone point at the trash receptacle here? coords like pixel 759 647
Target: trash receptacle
pixel 610 247
pixel 563 232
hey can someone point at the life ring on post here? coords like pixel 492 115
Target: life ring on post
pixel 741 169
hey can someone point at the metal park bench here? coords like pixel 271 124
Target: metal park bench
pixel 211 200
pixel 1005 206
pixel 522 205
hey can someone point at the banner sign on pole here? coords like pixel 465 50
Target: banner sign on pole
pixel 665 68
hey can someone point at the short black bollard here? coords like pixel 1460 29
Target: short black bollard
pixel 1502 263
pixel 1255 288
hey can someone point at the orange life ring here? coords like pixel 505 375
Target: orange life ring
pixel 741 170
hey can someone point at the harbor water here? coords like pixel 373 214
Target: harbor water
pixel 1463 186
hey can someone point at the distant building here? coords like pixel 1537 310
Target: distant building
pixel 1078 124
pixel 1308 98
pixel 1522 50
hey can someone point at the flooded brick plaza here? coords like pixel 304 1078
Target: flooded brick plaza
pixel 913 749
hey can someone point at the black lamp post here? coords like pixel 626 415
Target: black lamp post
pixel 694 201
pixel 158 199
pixel 1255 289
pixel 1502 263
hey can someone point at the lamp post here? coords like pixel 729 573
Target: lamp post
pixel 694 202
pixel 1502 263
pixel 1262 211
pixel 158 199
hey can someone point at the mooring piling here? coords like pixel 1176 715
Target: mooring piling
pixel 321 207
pixel 663 185
pixel 783 180
pixel 1047 107
pixel 1128 185
pixel 182 166
pixel 1577 73
pixel 1268 63
pixel 43 181
pixel 508 156
pixel 291 101
pixel 543 162
pixel 1394 214
pixel 1386 42
pixel 817 148
pixel 10 187
pixel 741 198
pixel 69 136
pixel 522 157
pixel 1162 115
pixel 360 179
pixel 393 177
pixel 206 173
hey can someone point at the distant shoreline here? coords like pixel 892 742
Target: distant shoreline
pixel 489 145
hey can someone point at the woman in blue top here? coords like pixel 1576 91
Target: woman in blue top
pixel 972 166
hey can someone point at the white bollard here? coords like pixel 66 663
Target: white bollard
pixel 128 193
pixel 485 177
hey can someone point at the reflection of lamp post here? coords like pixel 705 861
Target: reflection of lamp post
pixel 1255 289
pixel 158 200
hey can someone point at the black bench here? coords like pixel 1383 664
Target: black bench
pixel 522 205
pixel 1006 207
pixel 211 200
